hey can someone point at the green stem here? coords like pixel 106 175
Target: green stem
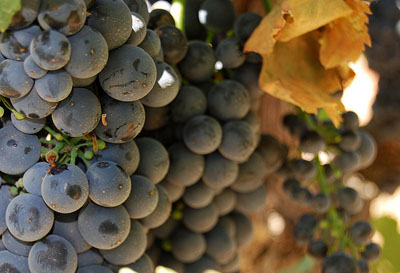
pixel 267 5
pixel 321 178
pixel 210 36
pixel 74 154
pixel 178 12
pixel 82 157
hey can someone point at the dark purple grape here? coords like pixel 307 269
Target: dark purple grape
pixel 173 43
pixel 14 82
pixel 317 249
pixel 190 102
pixel 55 86
pixel 361 232
pixel 160 17
pixel 219 172
pixel 27 15
pixel 229 53
pixel 12 263
pixel 311 142
pixel 339 262
pixel 200 220
pixel 321 202
pixel 210 15
pixel 371 252
pixel 138 30
pixel 245 24
pixel 187 246
pixel 27 125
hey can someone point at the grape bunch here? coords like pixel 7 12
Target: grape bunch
pixel 331 231
pixel 127 143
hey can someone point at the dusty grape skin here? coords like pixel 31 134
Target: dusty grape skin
pixel 55 86
pixel 204 264
pixel 252 202
pixel 143 199
pixel 198 195
pixel 245 24
pixel 139 30
pixel 129 75
pixel 16 246
pixel 53 254
pixel 187 246
pixel 28 126
pixel 219 172
pixel 151 43
pixel 89 53
pixel 29 206
pixel 251 174
pixel 90 257
pixel 173 43
pixel 200 220
pixel 244 229
pixel 173 191
pixel 143 265
pixel 229 53
pixel 19 151
pixel 160 215
pixel 32 69
pixel 65 188
pixel 210 15
pixel 124 120
pixel 27 15
pixel 14 82
pixel 140 7
pixel 190 102
pixel 225 201
pixel 94 268
pixel 156 117
pixel 34 176
pixel 338 262
pixel 113 20
pixel 10 262
pixel 5 198
pixel 104 228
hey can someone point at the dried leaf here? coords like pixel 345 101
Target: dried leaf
pixel 292 18
pixel 344 39
pixel 293 73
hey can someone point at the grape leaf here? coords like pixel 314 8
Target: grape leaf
pixel 344 39
pixel 293 73
pixel 7 9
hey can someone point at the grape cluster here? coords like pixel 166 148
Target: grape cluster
pixel 127 143
pixel 328 231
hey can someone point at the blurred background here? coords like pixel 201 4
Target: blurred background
pixel 375 97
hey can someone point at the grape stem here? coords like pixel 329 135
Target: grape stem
pixel 267 5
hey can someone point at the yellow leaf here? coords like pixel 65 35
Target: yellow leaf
pixel 293 73
pixel 292 18
pixel 344 39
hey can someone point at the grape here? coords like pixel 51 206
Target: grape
pixel 163 210
pixel 198 195
pixel 251 174
pixel 26 15
pixel 34 176
pixel 202 134
pixel 14 45
pixel 228 100
pixel 14 82
pixel 290 185
pixel 198 64
pixel 131 249
pixel 244 229
pixel 168 261
pixel 154 252
pixel 28 218
pixel 2 246
pixel 303 231
pixel 204 264
pixel 90 257
pixel 245 24
pixel 53 254
pixel 160 17
pixel 94 268
pixel 173 191
pixel 225 202
pixel 16 246
pixel 367 150
pixel 33 106
pixel 112 18
pixel 296 126
pixel 104 228
pixel 200 220
pixel 362 266
pixel 371 252
pixel 220 245
pixel 66 226
pixel 329 173
pixel 55 86
pixel 338 262
pixel 83 82
pixel 186 167
pixel 187 246
pixel 125 155
pixel 165 89
pixel 253 121
pixel 190 102
pixel 349 199
pixel 50 50
pixel 229 52
pixel 238 141
pixel 164 231
pixel 18 151
pixel 231 266
pixel 156 117
pixel 138 30
pixel 302 196
pixel 350 140
pixel 347 162
pixel 317 249
pixel 151 43
pixel 361 232
pixel 89 53
pixel 28 126
pixel 311 142
pixel 89 3
pixel 11 263
pixel 67 17
pixel 303 169
pixel 129 75
pixel 219 172
pixel 173 43
pixel 143 198
pixel 154 160
pixel 350 120
pixel 273 153
pixel 140 7
pixel 193 28
pixel 143 265
pixel 5 198
pixel 210 15
pixel 65 188
pixel 252 202
pixel 109 184
pixel 321 202
pixel 124 120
